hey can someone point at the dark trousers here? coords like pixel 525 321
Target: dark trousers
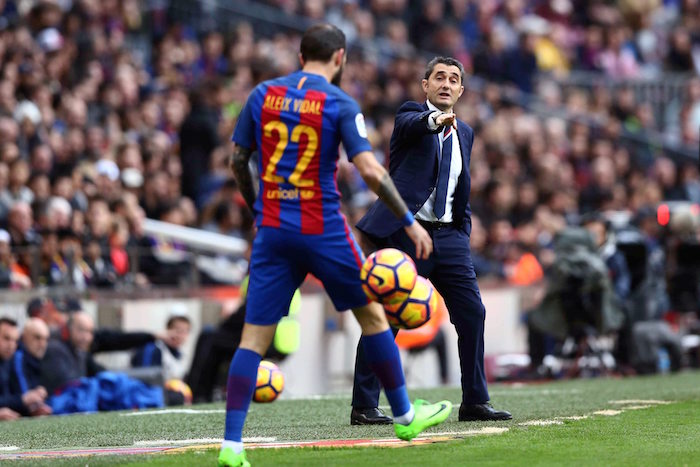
pixel 450 270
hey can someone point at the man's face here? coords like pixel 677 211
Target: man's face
pixel 82 331
pixel 597 229
pixel 177 333
pixel 444 86
pixel 9 335
pixel 36 340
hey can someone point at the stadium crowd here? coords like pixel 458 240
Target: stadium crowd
pixel 112 112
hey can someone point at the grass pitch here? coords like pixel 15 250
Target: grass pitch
pixel 642 434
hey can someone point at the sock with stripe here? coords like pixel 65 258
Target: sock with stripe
pixel 242 375
pixel 383 358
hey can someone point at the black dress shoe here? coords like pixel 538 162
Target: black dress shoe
pixel 371 416
pixel 481 412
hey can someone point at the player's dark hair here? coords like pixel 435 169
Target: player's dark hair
pixel 320 41
pixel 8 321
pixel 445 61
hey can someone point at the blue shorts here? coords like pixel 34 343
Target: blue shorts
pixel 280 261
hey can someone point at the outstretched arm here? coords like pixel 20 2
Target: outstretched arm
pixel 238 162
pixel 379 181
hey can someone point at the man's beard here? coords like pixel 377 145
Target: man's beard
pixel 338 76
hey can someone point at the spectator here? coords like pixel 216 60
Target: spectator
pixel 167 353
pixel 26 363
pixel 13 404
pixel 72 356
pixel 11 275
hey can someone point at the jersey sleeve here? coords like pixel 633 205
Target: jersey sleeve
pixel 244 133
pixel 353 132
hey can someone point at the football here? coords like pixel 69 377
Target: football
pixel 270 382
pixel 416 310
pixel 177 392
pixel 388 276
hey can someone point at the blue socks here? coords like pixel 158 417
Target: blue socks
pixel 242 376
pixel 383 358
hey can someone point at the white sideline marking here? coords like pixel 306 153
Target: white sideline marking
pixel 541 423
pixel 639 401
pixel 9 448
pixel 607 412
pixel 573 417
pixel 637 407
pixel 166 442
pixel 487 430
pixel 524 390
pixel 169 411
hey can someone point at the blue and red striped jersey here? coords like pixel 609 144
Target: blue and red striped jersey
pixel 296 123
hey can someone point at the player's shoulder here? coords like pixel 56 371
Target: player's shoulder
pixel 346 104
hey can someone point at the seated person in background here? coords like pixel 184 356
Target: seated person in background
pixel 13 405
pixel 26 363
pixel 46 310
pixel 70 357
pixel 166 353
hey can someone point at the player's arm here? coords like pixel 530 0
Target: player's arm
pixel 238 163
pixel 379 181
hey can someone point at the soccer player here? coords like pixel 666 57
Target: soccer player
pixel 296 123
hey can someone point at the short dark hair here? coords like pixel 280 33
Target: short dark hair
pixel 175 318
pixel 445 61
pixel 8 321
pixel 320 41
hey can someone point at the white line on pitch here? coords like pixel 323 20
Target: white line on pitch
pixel 541 423
pixel 170 411
pixel 166 442
pixel 639 401
pixel 607 412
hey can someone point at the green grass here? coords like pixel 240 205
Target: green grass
pixel 661 435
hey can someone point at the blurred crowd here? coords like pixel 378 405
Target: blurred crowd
pixel 113 111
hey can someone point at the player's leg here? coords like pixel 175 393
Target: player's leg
pixel 365 390
pixel 337 264
pixel 383 358
pixel 274 277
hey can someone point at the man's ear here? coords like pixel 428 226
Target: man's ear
pixel 339 57
pixel 461 91
pixel 301 60
pixel 424 84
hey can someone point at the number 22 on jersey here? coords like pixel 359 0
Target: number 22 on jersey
pixel 284 137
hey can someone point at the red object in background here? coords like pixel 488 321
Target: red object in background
pixel 423 335
pixel 120 260
pixel 663 214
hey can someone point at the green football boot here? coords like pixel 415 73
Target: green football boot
pixel 228 458
pixel 426 415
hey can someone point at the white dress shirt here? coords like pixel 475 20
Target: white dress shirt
pixel 425 213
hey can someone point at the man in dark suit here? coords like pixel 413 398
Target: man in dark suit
pixel 429 162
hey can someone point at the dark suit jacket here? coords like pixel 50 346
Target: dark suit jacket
pixel 413 165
